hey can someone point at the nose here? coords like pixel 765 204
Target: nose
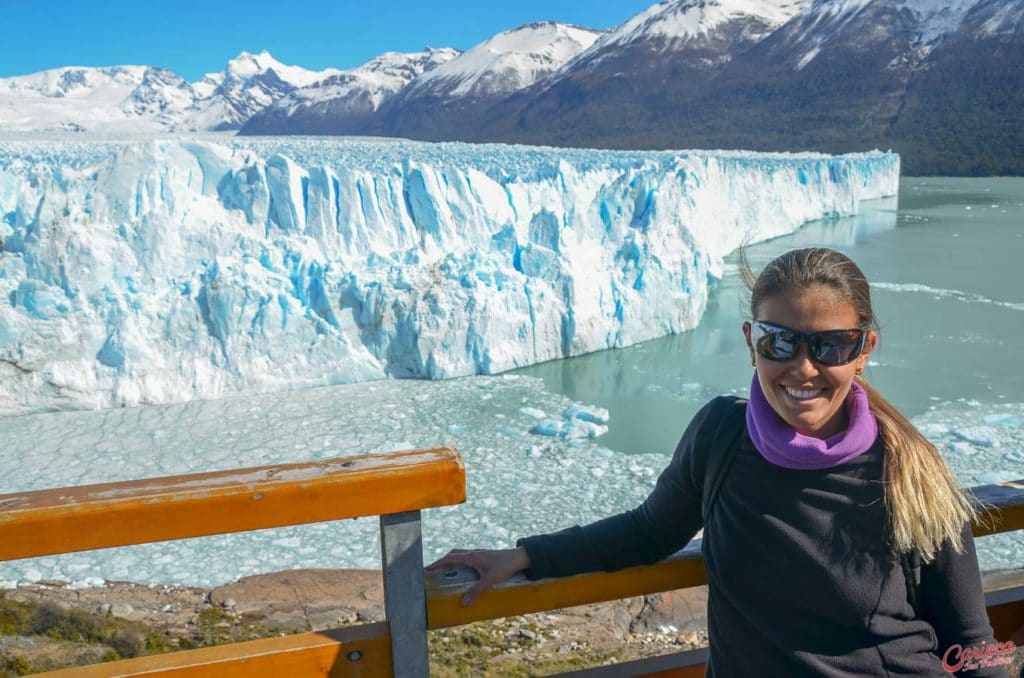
pixel 802 365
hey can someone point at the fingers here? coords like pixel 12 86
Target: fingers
pixel 474 592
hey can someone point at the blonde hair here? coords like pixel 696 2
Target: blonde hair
pixel 926 504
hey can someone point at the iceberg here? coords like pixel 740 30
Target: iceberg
pixel 164 269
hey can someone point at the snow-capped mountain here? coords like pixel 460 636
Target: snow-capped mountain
pixel 940 81
pixel 145 98
pixel 714 26
pixel 449 101
pixel 74 98
pixel 506 63
pixel 428 87
pixel 248 84
pixel 352 97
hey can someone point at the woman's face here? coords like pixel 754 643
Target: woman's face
pixel 807 395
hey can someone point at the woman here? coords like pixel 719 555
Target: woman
pixel 829 488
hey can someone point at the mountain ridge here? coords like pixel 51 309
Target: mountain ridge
pixel 939 81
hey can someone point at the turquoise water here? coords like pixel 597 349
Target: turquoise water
pixel 945 265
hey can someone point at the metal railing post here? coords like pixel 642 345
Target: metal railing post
pixel 405 603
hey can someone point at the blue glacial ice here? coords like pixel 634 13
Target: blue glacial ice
pixel 164 269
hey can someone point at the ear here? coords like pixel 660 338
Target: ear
pixel 870 342
pixel 750 346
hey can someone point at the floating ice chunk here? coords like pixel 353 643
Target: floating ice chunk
pixel 458 428
pixel 577 428
pixel 532 412
pixel 976 435
pixel 549 427
pixel 596 415
pixel 1016 457
pixel 1009 420
pixel 571 429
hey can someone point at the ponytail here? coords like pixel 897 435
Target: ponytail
pixel 925 502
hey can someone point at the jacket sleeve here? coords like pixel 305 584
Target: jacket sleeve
pixel 664 523
pixel 953 602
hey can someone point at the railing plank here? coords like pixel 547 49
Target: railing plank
pixel 357 651
pixel 135 512
pixel 1004 511
pixel 1003 507
pixel 688 664
pixel 521 596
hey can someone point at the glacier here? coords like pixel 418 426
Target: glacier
pixel 163 269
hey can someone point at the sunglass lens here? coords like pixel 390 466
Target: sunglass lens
pixel 777 344
pixel 837 348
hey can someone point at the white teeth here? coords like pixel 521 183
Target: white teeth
pixel 803 395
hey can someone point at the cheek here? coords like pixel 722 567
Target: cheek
pixel 841 379
pixel 768 373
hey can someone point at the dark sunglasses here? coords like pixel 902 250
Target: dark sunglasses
pixel 832 347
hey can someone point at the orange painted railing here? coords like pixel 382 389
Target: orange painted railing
pixel 396 485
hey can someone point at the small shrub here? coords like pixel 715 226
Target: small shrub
pixel 52 620
pixel 14 617
pixel 127 642
pixel 13 666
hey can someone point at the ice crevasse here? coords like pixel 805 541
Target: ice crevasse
pixel 166 269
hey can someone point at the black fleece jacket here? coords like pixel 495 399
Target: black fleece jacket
pixel 802 578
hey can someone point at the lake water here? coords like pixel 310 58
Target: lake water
pixel 947 287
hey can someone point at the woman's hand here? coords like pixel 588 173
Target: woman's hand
pixel 493 567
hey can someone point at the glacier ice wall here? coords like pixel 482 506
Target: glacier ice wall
pixel 164 269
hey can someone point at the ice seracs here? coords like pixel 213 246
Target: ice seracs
pixel 165 270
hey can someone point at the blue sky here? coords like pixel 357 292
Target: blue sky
pixel 194 37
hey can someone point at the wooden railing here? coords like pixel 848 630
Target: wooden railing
pixel 395 487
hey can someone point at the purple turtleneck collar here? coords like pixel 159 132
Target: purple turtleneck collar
pixel 782 445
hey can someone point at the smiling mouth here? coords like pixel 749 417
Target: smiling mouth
pixel 803 394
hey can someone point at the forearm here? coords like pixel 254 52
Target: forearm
pixel 614 543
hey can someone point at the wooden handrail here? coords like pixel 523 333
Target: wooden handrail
pixel 71 519
pixel 1002 510
pixel 1002 507
pixel 397 486
pixel 362 650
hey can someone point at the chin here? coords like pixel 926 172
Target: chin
pixel 811 422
